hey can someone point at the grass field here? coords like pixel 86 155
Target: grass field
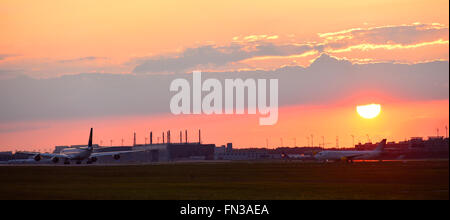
pixel 237 180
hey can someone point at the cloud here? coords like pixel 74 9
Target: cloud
pixel 386 37
pixel 412 43
pixel 326 80
pixel 10 73
pixel 5 56
pixel 389 46
pixel 259 47
pixel 191 58
pixel 216 56
pixel 46 67
pixel 88 58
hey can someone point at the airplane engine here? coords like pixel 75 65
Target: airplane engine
pixel 37 157
pixel 345 159
pixel 55 159
pixel 116 157
pixel 91 160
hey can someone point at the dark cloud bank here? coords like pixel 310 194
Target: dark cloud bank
pixel 327 79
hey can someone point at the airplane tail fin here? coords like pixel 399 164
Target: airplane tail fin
pixel 90 140
pixel 381 145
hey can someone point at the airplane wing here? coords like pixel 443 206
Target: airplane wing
pixel 49 155
pixel 113 153
pixel 351 157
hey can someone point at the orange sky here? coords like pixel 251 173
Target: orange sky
pixel 39 33
pixel 397 121
pixel 50 38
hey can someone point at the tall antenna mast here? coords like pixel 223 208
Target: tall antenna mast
pixel 168 136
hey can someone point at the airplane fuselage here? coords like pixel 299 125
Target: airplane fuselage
pixel 344 155
pixel 77 153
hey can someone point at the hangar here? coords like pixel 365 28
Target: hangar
pixel 166 152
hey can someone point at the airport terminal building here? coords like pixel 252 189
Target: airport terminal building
pixel 167 152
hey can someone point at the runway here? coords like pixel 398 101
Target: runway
pixel 214 161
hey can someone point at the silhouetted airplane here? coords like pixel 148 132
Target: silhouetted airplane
pixel 351 155
pixel 80 154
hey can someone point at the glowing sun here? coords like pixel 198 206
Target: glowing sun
pixel 368 111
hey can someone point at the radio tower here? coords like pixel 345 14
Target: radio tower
pixel 168 136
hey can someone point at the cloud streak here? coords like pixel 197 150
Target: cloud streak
pixel 387 37
pixel 6 56
pixel 401 34
pixel 81 59
pixel 365 47
pixel 211 55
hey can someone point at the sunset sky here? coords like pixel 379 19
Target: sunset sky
pixel 66 66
